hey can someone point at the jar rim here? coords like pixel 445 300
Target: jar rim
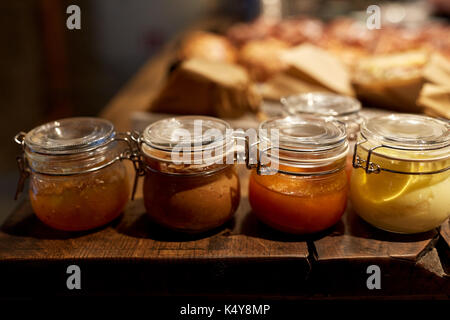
pixel 407 132
pixel 321 104
pixel 69 136
pixel 190 135
pixel 303 141
pixel 303 133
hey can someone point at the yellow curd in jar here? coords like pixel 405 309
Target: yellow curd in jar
pixel 402 203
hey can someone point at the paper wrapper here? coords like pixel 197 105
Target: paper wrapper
pixel 310 69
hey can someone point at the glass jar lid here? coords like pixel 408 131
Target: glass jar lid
pixel 303 133
pixel 407 132
pixel 306 142
pixel 70 136
pixel 403 143
pixel 195 132
pixel 321 104
pixel 187 143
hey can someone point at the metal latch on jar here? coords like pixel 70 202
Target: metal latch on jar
pixel 21 164
pixel 256 158
pixel 371 167
pixel 250 155
pixel 131 154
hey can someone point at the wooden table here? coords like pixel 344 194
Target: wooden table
pixel 244 258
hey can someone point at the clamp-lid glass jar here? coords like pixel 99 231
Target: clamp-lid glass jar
pixel 329 106
pixel 77 181
pixel 308 191
pixel 401 179
pixel 190 180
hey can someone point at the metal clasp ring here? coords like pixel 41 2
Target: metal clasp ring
pixel 367 165
pixel 261 169
pixel 249 156
pixel 371 167
pixel 22 164
pixel 132 154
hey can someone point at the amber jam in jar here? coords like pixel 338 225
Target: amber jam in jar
pixel 329 106
pixel 189 185
pixel 77 181
pixel 308 191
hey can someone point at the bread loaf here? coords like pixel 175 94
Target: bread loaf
pixel 207 88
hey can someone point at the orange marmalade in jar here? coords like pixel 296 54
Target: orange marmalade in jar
pixel 189 185
pixel 302 188
pixel 77 181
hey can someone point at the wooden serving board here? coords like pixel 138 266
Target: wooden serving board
pixel 133 256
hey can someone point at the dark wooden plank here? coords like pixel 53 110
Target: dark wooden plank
pixel 354 238
pixel 243 257
pixel 133 236
pixel 142 258
pixel 444 247
pixel 445 232
pixel 409 264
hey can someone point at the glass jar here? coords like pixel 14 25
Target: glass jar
pixel 306 188
pixel 190 180
pixel 401 177
pixel 77 181
pixel 329 106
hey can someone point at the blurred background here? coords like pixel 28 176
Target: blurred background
pixel 50 72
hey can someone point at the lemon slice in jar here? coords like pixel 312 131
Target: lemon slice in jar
pixel 386 186
pixel 383 187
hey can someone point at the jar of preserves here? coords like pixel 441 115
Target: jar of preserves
pixel 299 185
pixel 77 181
pixel 329 106
pixel 401 177
pixel 190 182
